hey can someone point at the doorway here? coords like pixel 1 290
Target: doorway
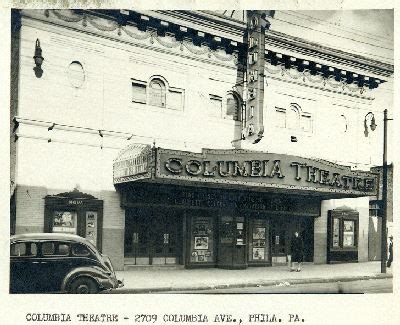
pixel 279 240
pixel 152 237
pixel 282 231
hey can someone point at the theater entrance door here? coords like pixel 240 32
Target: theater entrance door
pixel 152 237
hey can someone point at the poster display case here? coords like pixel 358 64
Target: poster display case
pixel 342 235
pixel 259 252
pixel 75 213
pixel 91 226
pixel 202 240
pixel 64 222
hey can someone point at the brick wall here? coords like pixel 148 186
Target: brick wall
pixel 30 208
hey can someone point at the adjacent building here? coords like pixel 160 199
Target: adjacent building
pixel 197 138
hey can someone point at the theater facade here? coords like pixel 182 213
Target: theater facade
pixel 232 208
pixel 197 138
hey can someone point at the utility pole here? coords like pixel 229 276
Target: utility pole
pixel 384 195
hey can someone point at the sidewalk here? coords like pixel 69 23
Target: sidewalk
pixel 159 280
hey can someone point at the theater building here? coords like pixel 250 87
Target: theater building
pixel 196 138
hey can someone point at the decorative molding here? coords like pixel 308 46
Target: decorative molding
pixel 315 81
pixel 337 57
pixel 168 41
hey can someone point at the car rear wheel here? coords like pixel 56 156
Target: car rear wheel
pixel 83 285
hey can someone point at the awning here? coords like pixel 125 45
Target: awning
pixel 243 169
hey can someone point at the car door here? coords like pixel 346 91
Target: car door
pixel 55 264
pixel 82 256
pixel 24 267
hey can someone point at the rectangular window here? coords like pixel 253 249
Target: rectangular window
pixel 215 106
pixel 306 123
pixel 23 249
pixel 48 249
pixel 138 92
pixel 280 117
pixel 175 99
pixel 62 249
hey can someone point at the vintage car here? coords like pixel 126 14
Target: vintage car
pixel 55 262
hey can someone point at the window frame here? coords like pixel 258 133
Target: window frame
pixel 139 83
pixel 306 115
pixel 90 253
pixel 281 110
pixel 30 249
pixel 163 92
pixel 175 90
pixel 214 98
pixel 237 112
pixel 56 248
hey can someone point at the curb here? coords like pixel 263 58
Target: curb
pixel 282 282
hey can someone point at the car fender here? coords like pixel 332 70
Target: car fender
pixel 94 273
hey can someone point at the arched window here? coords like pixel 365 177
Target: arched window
pixel 293 117
pixel 157 93
pixel 233 108
pixel 343 123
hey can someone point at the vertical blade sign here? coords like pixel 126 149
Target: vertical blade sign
pixel 252 124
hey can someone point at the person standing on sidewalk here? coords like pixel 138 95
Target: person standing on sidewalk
pixel 296 248
pixel 390 259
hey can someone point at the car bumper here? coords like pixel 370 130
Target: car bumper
pixel 111 283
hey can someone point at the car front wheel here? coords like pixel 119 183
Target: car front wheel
pixel 83 285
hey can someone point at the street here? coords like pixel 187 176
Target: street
pixel 361 286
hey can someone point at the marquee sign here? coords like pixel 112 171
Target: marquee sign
pixel 263 170
pixel 132 163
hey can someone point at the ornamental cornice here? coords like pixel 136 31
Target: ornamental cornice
pixel 290 57
pixel 288 44
pixel 145 34
pixel 204 21
pixel 297 67
pixel 318 81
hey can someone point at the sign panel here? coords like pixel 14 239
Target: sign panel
pixel 215 198
pixel 252 121
pixel 132 163
pixel 267 170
